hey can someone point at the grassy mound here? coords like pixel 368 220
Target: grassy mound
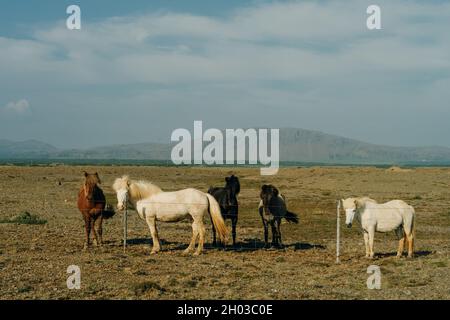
pixel 25 218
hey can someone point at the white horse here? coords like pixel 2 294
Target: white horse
pixel 152 204
pixel 395 215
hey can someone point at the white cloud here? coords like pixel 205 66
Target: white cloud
pixel 20 107
pixel 288 41
pixel 306 59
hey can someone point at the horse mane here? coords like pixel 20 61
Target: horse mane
pixel 143 189
pixel 139 189
pixel 92 178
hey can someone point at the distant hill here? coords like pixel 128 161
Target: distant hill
pixel 29 149
pixel 138 151
pixel 296 145
pixel 314 146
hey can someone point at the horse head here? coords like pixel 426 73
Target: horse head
pixel 90 184
pixel 233 184
pixel 232 189
pixel 352 206
pixel 268 194
pixel 349 207
pixel 122 188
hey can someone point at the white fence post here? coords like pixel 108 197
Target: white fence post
pixel 338 231
pixel 125 222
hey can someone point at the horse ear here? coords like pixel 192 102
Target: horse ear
pixel 98 178
pixel 227 179
pixel 275 191
pixel 85 173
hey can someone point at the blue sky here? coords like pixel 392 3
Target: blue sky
pixel 18 17
pixel 140 69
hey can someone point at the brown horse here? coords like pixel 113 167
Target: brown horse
pixel 92 205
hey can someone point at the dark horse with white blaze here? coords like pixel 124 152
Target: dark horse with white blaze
pixel 272 209
pixel 92 205
pixel 227 199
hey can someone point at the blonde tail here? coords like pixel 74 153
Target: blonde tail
pixel 216 217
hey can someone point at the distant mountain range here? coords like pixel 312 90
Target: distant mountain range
pixel 296 145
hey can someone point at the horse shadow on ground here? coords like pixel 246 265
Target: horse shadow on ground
pixel 417 254
pixel 149 241
pixel 252 244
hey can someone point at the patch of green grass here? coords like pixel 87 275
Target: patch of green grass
pixel 190 283
pixel 24 289
pixel 440 264
pixel 140 288
pixel 25 218
pixel 94 288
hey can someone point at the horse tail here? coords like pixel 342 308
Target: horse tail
pixel 108 212
pixel 216 217
pixel 291 217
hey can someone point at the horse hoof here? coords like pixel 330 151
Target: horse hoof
pixel 154 251
pixel 196 253
pixel 186 252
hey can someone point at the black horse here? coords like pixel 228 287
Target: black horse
pixel 272 209
pixel 227 199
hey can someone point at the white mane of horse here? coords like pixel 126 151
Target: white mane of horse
pixel 349 203
pixel 138 189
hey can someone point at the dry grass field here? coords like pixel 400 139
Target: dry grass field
pixel 34 258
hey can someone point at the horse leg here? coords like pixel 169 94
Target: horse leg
pixel 94 231
pixel 266 230
pixel 266 234
pixel 154 232
pixel 274 233
pixel 409 236
pixel 195 232
pixel 278 228
pixel 87 227
pixel 410 239
pixel 201 238
pixel 371 239
pixel 366 242
pixel 401 242
pixel 99 230
pixel 233 229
